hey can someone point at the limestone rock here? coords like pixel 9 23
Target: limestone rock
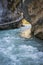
pixel 35 11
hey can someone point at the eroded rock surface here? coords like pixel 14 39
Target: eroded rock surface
pixel 35 10
pixel 10 13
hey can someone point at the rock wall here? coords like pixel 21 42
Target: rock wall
pixel 35 11
pixel 8 10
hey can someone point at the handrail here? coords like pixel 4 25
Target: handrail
pixel 20 18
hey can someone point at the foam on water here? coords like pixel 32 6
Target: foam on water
pixel 15 50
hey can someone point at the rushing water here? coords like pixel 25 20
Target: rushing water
pixel 15 50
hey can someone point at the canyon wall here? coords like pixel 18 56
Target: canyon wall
pixel 35 11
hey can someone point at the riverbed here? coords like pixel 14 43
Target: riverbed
pixel 15 50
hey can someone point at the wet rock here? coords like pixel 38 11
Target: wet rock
pixel 25 31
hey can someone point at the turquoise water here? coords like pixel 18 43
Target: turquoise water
pixel 15 50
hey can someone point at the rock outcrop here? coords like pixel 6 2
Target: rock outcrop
pixel 35 11
pixel 10 14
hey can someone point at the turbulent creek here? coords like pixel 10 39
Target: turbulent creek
pixel 15 50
